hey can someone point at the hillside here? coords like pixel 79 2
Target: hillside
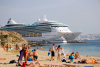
pixel 11 37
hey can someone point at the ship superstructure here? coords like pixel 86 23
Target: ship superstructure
pixel 41 30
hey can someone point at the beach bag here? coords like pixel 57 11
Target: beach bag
pixel 12 61
pixel 63 60
pixel 71 57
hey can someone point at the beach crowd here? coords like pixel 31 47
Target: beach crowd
pixel 32 55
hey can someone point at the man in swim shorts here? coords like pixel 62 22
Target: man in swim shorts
pixel 35 55
pixel 52 52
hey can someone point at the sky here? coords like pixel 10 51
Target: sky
pixel 79 15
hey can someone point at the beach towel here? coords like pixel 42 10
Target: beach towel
pixel 63 59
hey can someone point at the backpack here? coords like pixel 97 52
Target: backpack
pixel 12 61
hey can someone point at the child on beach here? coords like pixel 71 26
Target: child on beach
pixel 29 58
pixel 49 52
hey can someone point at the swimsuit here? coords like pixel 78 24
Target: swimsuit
pixel 52 53
pixel 59 52
pixel 93 61
pixel 35 57
pixel 25 53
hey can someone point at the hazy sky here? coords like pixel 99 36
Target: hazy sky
pixel 81 15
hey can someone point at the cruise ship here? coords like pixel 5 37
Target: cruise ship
pixel 44 30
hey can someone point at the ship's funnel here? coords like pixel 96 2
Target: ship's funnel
pixel 44 18
pixel 10 21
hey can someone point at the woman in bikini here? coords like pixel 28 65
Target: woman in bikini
pixel 59 53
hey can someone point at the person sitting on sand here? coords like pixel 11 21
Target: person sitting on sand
pixel 77 56
pixel 59 53
pixel 4 47
pixel 10 47
pixel 32 64
pixel 35 55
pixel 64 54
pixel 29 58
pixel 88 61
pixel 71 57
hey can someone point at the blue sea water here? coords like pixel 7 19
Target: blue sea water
pixel 90 48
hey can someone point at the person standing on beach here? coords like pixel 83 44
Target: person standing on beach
pixel 4 47
pixel 21 54
pixel 52 52
pixel 7 47
pixel 59 53
pixel 41 48
pixel 25 53
pixel 29 46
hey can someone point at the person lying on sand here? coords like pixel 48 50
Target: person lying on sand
pixel 24 64
pixel 88 61
pixel 2 58
pixel 64 54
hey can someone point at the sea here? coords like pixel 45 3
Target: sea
pixel 92 47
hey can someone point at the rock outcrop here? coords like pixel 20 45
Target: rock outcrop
pixel 12 38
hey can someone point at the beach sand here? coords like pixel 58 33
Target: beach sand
pixel 43 58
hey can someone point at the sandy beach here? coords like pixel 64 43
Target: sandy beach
pixel 43 58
